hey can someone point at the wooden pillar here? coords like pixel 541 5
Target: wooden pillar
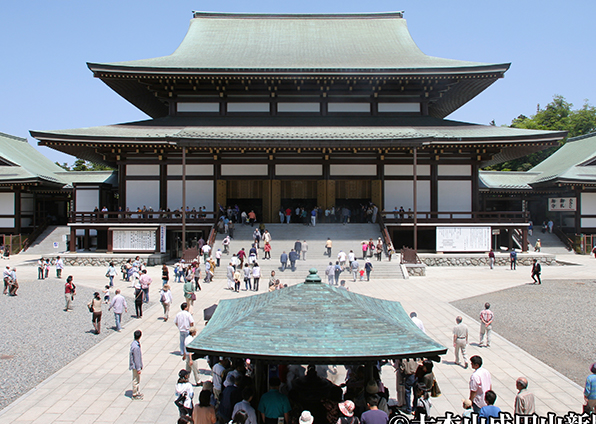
pixel 86 239
pixel 221 195
pixel 268 212
pixel 163 186
pixel 110 241
pixel 275 199
pixel 17 210
pixel 322 194
pixel 330 201
pixel 377 193
pixel 525 239
pixel 73 240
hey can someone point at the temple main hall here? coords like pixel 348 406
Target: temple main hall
pixel 269 112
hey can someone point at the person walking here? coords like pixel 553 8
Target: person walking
pixel 70 290
pixel 368 267
pixel 256 276
pixel 328 246
pixel 184 321
pixel 59 267
pixel 486 324
pixel 165 275
pixel 230 275
pixel 145 282
pixel 298 248
pixel 40 267
pixel 364 250
pixel 379 249
pixel 330 272
pixel 267 249
pixel 284 261
pixel 460 340
pixel 189 291
pixel 537 246
pixel 491 259
pixel 513 259
pixel 536 270
pixel 304 250
pixel 354 267
pixel 135 363
pixel 95 309
pixel 165 298
pixel 590 391
pixel 111 273
pixel 338 269
pixel 293 256
pixel 139 296
pixel 184 393
pixel 118 303
pixel 247 276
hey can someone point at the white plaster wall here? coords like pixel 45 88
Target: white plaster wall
pixel 303 169
pixel 588 222
pixel 245 170
pixel 298 107
pixel 198 194
pixel 455 196
pixel 7 204
pixel 87 200
pixel 348 107
pixel 191 170
pixel 248 107
pixel 406 170
pixel 460 170
pixel 197 107
pixel 401 193
pixel 142 193
pixel 588 205
pixel 142 170
pixel 351 170
pixel 7 222
pixel 399 107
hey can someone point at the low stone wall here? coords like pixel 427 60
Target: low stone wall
pixel 105 259
pixel 416 270
pixel 478 260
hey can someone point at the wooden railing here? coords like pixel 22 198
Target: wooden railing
pixel 392 217
pixel 136 217
pixel 564 238
pixel 409 256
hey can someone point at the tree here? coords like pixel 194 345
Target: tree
pixel 83 165
pixel 557 116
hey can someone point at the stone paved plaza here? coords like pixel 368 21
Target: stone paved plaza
pixel 95 387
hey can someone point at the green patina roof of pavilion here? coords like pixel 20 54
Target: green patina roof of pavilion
pixel 314 323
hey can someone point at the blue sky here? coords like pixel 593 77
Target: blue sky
pixel 45 46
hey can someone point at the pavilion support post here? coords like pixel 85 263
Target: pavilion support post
pixel 415 196
pixel 73 240
pixel 183 200
pixel 525 239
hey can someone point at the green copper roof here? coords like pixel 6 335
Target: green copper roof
pixel 506 180
pixel 574 161
pixel 313 322
pixel 323 42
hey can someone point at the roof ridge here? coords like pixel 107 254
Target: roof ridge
pixel 581 137
pixel 251 15
pixel 14 137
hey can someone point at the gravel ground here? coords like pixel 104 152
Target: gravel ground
pixel 552 321
pixel 35 321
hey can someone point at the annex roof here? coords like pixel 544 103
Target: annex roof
pixel 506 180
pixel 21 162
pixel 575 161
pixel 314 323
pixel 232 41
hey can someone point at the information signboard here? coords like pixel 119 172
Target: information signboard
pixel 463 239
pixel 133 240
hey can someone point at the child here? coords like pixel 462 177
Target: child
pixel 361 274
pixel 106 295
pixel 423 403
pixel 467 404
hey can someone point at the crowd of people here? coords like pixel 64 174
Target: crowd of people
pixel 300 215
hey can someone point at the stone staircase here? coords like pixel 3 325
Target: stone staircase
pixel 44 244
pixel 283 236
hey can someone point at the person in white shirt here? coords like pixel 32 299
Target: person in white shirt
pixel 341 257
pixel 304 250
pixel 417 321
pixel 256 275
pixel 118 303
pixel 59 267
pixel 351 257
pixel 218 258
pixel 247 396
pixel 183 321
pixel 191 364
pixel 217 373
pixel 165 297
pixel 480 383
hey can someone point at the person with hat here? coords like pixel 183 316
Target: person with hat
pixel 347 409
pixel 306 418
pixel 273 404
pixel 184 393
pixel 590 391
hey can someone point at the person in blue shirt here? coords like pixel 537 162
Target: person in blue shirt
pixel 490 410
pixel 590 389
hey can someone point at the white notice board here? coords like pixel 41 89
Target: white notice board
pixel 463 239
pixel 133 240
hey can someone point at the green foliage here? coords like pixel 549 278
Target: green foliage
pixel 557 116
pixel 83 165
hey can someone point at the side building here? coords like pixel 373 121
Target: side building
pixel 270 112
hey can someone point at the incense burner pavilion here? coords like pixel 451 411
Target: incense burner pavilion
pixel 273 111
